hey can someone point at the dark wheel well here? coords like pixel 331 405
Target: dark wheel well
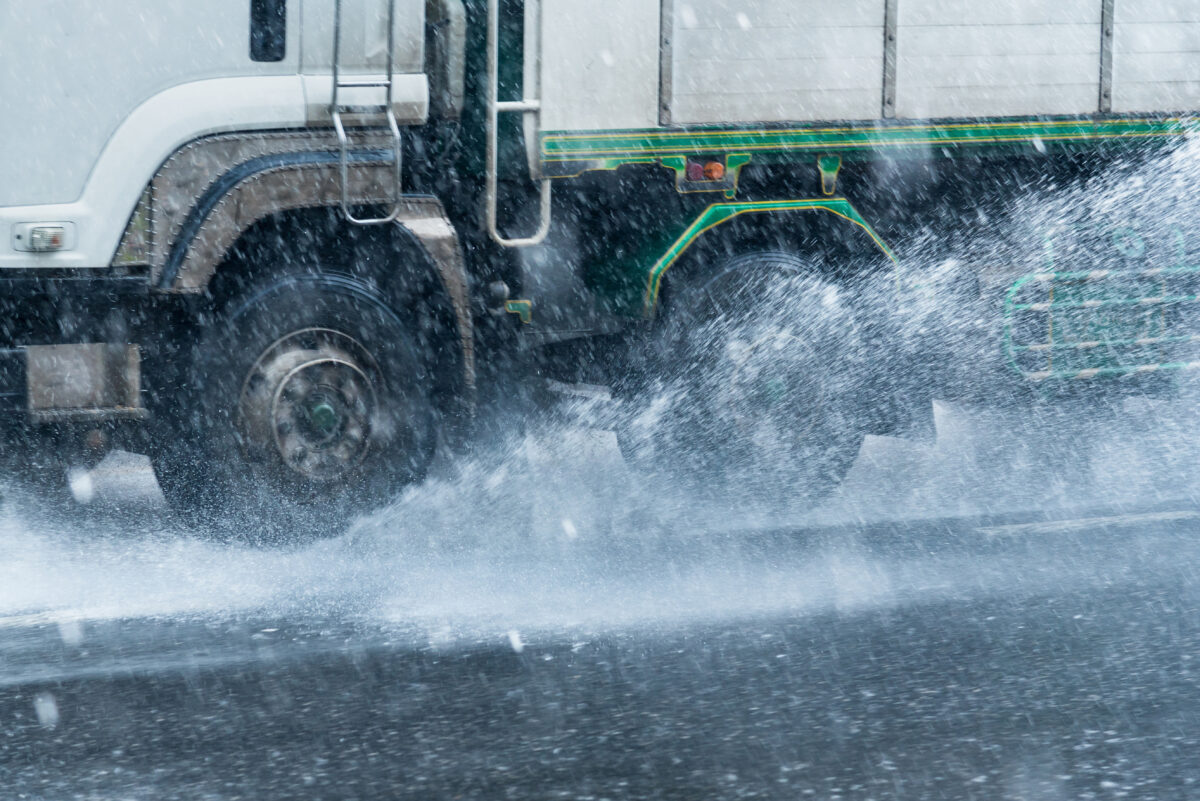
pixel 389 260
pixel 240 450
pixel 362 318
pixel 755 399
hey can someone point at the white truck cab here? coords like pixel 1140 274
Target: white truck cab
pixel 105 97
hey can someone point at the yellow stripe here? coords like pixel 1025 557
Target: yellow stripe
pixel 655 279
pixel 593 154
pixel 788 131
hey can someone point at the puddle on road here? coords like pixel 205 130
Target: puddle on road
pixel 559 532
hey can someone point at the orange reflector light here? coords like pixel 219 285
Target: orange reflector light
pixel 714 171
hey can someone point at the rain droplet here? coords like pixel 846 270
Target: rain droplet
pixel 71 631
pixel 47 710
pixel 82 488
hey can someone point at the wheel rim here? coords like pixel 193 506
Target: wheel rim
pixel 308 405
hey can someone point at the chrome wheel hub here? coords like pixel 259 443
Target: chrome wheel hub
pixel 308 403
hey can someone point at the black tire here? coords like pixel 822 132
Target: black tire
pixel 305 403
pixel 757 389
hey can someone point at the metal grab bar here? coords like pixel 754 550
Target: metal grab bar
pixel 336 110
pixel 495 107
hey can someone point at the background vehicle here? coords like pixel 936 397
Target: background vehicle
pixel 284 245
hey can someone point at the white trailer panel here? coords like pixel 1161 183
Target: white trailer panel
pixel 969 58
pixel 599 63
pixel 773 60
pixel 1156 56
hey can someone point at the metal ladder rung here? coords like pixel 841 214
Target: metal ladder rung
pixel 336 110
pixel 364 83
pixel 366 109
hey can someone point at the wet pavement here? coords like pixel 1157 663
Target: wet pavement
pixel 1063 670
pixel 990 653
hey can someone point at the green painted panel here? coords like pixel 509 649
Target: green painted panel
pixel 719 213
pixel 569 153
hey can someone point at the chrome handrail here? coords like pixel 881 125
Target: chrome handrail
pixel 494 109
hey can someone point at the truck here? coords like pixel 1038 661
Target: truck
pixel 288 247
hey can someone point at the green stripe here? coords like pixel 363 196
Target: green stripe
pixel 718 213
pixel 1100 304
pixel 1042 347
pixel 564 146
pixel 1111 372
pixel 1104 347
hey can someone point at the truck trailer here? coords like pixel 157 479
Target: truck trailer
pixel 287 247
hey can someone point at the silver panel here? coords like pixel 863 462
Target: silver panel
pixel 1156 56
pixel 85 377
pixel 723 62
pixel 776 60
pixel 981 58
pixel 598 63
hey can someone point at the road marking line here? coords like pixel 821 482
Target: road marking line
pixel 1077 524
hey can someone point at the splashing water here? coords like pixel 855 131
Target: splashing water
pixel 556 530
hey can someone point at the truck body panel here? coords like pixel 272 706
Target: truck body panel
pixel 671 132
pixel 966 58
pixel 781 61
pixel 1156 55
pixel 67 106
pixel 771 60
pixel 145 139
pixel 594 65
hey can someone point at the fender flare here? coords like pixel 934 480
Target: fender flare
pixel 717 214
pixel 183 235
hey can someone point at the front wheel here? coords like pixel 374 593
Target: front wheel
pixel 757 394
pixel 306 403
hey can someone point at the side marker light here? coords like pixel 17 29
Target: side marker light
pixel 714 171
pixel 47 238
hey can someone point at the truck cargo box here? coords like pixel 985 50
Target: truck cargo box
pixel 627 64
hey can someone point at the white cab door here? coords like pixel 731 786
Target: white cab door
pixel 72 71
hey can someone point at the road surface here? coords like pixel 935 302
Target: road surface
pixel 991 653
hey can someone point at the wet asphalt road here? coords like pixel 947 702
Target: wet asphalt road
pixel 1042 661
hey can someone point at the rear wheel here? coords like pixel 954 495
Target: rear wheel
pixel 306 403
pixel 757 391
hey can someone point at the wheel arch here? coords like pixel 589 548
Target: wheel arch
pixel 389 266
pixel 831 239
pixel 828 230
